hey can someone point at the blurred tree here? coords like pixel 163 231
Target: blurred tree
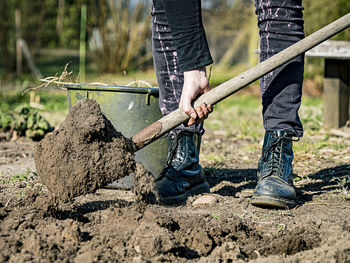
pixel 70 31
pixel 231 30
pixel 322 12
pixel 39 22
pixel 7 36
pixel 124 29
pixel 316 15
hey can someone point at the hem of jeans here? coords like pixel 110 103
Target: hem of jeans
pixel 298 133
pixel 190 129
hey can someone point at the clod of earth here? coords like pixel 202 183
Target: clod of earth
pixel 83 154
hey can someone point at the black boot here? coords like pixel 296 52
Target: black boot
pixel 182 175
pixel 275 186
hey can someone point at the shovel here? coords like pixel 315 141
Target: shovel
pixel 177 117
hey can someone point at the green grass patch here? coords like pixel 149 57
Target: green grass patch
pixel 239 114
pixel 311 114
pixel 53 101
pixel 22 177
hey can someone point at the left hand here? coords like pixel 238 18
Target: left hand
pixel 195 84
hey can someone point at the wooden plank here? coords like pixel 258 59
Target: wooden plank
pixel 334 49
pixel 336 93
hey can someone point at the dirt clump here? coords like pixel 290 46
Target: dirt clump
pixel 83 154
pixel 143 183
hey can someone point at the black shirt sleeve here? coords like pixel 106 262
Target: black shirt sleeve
pixel 185 21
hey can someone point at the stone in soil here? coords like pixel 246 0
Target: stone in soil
pixel 205 200
pixel 83 154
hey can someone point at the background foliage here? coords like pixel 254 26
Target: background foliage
pixel 119 31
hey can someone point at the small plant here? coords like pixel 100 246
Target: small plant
pixel 215 159
pixel 21 177
pixel 238 215
pixel 343 184
pixel 300 178
pixel 18 177
pixel 281 227
pixel 255 217
pixel 214 216
pixel 25 121
pixel 21 194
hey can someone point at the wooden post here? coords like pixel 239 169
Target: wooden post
pixel 18 42
pixel 82 44
pixel 336 93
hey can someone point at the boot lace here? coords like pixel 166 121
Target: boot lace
pixel 276 165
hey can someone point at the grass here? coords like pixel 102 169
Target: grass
pixel 215 216
pixel 215 159
pixel 54 102
pixel 238 116
pixel 19 177
pixel 281 227
pixel 22 177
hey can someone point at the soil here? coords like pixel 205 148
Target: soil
pixel 143 183
pixel 119 226
pixel 83 154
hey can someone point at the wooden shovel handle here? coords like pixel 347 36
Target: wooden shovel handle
pixel 177 117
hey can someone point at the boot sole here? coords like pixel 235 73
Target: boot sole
pixel 195 190
pixel 272 202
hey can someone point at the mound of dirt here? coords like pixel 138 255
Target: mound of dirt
pixel 83 154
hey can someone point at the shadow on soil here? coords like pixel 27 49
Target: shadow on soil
pixel 245 178
pixel 79 212
pixel 322 181
pixel 102 205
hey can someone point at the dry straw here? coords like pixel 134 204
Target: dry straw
pixel 65 79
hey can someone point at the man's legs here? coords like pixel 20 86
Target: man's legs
pixel 281 25
pixel 182 175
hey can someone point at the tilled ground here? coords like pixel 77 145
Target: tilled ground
pixel 109 226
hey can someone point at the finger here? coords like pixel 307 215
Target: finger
pixel 210 108
pixel 191 122
pixel 199 112
pixel 188 109
pixel 205 110
pixel 205 89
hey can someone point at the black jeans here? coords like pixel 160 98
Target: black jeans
pixel 280 25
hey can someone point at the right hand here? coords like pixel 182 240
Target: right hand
pixel 195 84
